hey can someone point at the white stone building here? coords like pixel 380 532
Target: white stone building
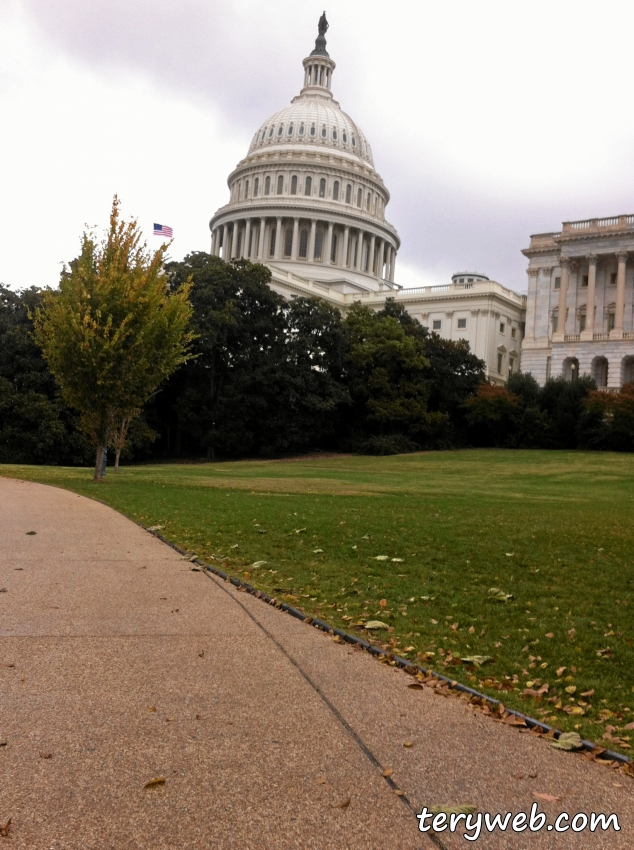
pixel 308 202
pixel 580 317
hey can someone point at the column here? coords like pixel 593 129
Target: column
pixel 295 248
pixel 392 263
pixel 234 240
pixel 214 239
pixel 328 245
pixel 344 253
pixel 311 241
pixel 619 311
pixel 222 237
pixel 379 253
pixel 531 303
pixel 358 264
pixel 564 264
pixel 588 333
pixel 278 239
pixel 371 254
pixel 261 241
pixel 247 234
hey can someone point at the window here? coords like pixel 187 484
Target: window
pixel 272 242
pixel 436 325
pixel 280 184
pixel 280 130
pixel 333 248
pixel 288 241
pixel 613 279
pixel 263 134
pixel 469 280
pixel 303 243
pixel 610 321
pixel 319 244
pixel 271 132
pixel 513 333
pixel 267 186
pixel 557 283
pixel 334 134
pixel 313 130
pixel 368 202
pixel 301 129
pixel 462 323
pixel 359 197
pixel 348 194
pixel 256 187
pixel 290 130
pixel 502 327
pixel 246 189
pixel 239 191
pixel 322 187
pixel 308 186
pixel 461 280
pixel 584 280
pixel 555 322
pixel 335 190
pixel 582 322
pixel 323 132
pixel 344 137
pixel 354 143
pixel 294 184
pixel 500 362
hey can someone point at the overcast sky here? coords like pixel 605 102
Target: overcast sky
pixel 489 121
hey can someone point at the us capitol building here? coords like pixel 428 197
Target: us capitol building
pixel 308 202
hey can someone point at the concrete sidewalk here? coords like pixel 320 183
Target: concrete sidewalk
pixel 118 665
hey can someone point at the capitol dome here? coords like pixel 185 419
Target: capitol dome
pixel 306 199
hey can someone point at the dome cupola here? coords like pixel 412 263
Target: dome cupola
pixel 306 199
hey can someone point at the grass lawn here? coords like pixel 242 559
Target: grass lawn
pixel 554 529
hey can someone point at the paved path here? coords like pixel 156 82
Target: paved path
pixel 118 665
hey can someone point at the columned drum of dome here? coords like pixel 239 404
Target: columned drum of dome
pixel 307 199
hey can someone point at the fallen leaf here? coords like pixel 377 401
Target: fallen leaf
pixel 397 560
pixel 460 809
pixel 317 551
pixel 46 755
pixel 510 554
pixel 588 693
pixel 388 772
pixel 476 660
pixel 235 546
pixel 499 595
pixel 383 603
pixel 261 531
pixel 4 830
pixel 629 727
pixel 434 622
pixel 548 797
pixel 408 744
pixel 417 686
pixel 575 710
pixel 568 741
pixel 3 590
pixel 152 708
pixel 550 635
pixel 381 558
pixel 561 671
pixel 398 792
pixel 321 780
pixel 571 689
pixel 201 654
pixel 375 624
pixel 31 533
pixel 160 780
pixel 257 564
pixel 156 528
pixel 343 805
pixel 169 719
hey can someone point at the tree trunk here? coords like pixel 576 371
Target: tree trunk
pixel 116 459
pixel 98 476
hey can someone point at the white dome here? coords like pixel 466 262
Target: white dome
pixel 315 122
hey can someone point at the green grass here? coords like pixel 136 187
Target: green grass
pixel 552 528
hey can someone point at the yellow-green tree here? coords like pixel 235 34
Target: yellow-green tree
pixel 113 332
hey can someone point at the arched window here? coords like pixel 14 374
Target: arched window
pixel 288 241
pixel 246 189
pixel 280 184
pixel 333 249
pixel 256 187
pixel 319 243
pixel 313 130
pixel 301 129
pixel 294 184
pixel 344 137
pixel 348 194
pixel 334 134
pixel 280 130
pixel 303 243
pixel 354 143
pixel 335 190
pixel 359 196
pixel 263 134
pixel 290 130
pixel 267 186
pixel 308 186
pixel 324 132
pixel 272 242
pixel 368 202
pixel 322 187
pixel 239 191
pixel 271 131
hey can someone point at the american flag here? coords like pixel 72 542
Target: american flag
pixel 163 230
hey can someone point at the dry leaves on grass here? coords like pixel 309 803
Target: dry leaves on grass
pixel 499 595
pixel 153 783
pixel 568 741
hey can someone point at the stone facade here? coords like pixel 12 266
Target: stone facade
pixel 580 316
